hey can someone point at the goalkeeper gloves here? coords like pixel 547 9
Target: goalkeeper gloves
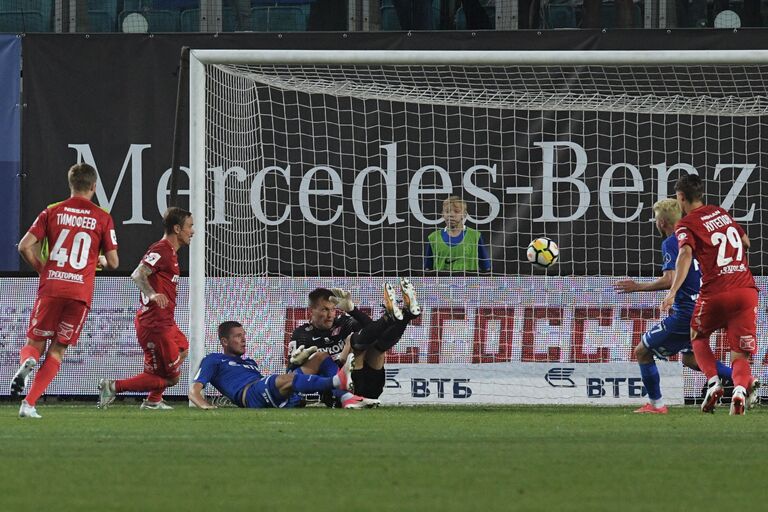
pixel 301 355
pixel 342 299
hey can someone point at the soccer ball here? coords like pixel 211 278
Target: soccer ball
pixel 543 252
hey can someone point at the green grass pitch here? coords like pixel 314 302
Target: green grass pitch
pixel 392 459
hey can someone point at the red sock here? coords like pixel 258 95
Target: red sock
pixel 140 382
pixel 43 378
pixel 28 351
pixel 742 374
pixel 704 357
pixel 156 395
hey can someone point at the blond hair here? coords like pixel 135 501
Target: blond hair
pixel 668 209
pixel 451 200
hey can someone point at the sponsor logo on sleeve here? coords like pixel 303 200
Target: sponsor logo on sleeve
pixel 152 258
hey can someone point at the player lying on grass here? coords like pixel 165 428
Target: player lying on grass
pixel 240 380
pixel 672 334
pixel 355 332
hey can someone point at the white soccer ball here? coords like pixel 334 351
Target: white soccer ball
pixel 543 252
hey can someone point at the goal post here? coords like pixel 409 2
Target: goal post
pixel 330 168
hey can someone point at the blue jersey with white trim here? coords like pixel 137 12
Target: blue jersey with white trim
pixel 228 374
pixel 686 296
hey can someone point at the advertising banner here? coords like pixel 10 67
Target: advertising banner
pixel 616 383
pixel 496 340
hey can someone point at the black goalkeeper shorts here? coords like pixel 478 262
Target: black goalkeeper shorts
pixel 368 382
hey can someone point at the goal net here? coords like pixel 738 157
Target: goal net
pixel 333 168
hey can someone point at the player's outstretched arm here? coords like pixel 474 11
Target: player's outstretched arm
pixel 140 277
pixel 196 396
pixel 29 249
pixel 662 283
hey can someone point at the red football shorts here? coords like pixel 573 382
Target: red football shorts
pixel 58 319
pixel 162 346
pixel 734 310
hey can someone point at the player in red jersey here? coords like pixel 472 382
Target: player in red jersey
pixel 728 295
pixel 165 346
pixel 76 230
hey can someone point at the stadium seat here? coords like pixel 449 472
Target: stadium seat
pixel 287 18
pixel 388 18
pixel 608 15
pixel 190 20
pixel 22 21
pixel 163 21
pixel 388 15
pixel 102 16
pixel 172 5
pixel 100 21
pixel 559 14
pixel 26 16
pixel 278 18
pixel 229 21
pixel 136 5
pixel 460 19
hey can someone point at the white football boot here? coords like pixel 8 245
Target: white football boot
pixel 107 393
pixel 409 296
pixel 344 375
pixel 390 302
pixel 714 393
pixel 162 405
pixel 753 393
pixel 360 402
pixel 28 411
pixel 738 401
pixel 20 378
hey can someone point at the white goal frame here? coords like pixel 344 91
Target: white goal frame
pixel 199 58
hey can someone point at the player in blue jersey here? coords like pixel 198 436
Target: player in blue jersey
pixel 240 379
pixel 673 334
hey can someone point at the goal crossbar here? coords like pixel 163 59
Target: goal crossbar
pixel 483 58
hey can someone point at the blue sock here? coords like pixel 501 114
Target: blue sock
pixel 328 368
pixel 311 383
pixel 650 374
pixel 723 371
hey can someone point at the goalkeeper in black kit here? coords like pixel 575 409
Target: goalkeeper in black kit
pixel 354 331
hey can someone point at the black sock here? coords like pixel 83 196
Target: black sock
pixel 362 339
pixel 391 336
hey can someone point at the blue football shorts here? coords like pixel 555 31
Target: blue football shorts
pixel 669 337
pixel 264 394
